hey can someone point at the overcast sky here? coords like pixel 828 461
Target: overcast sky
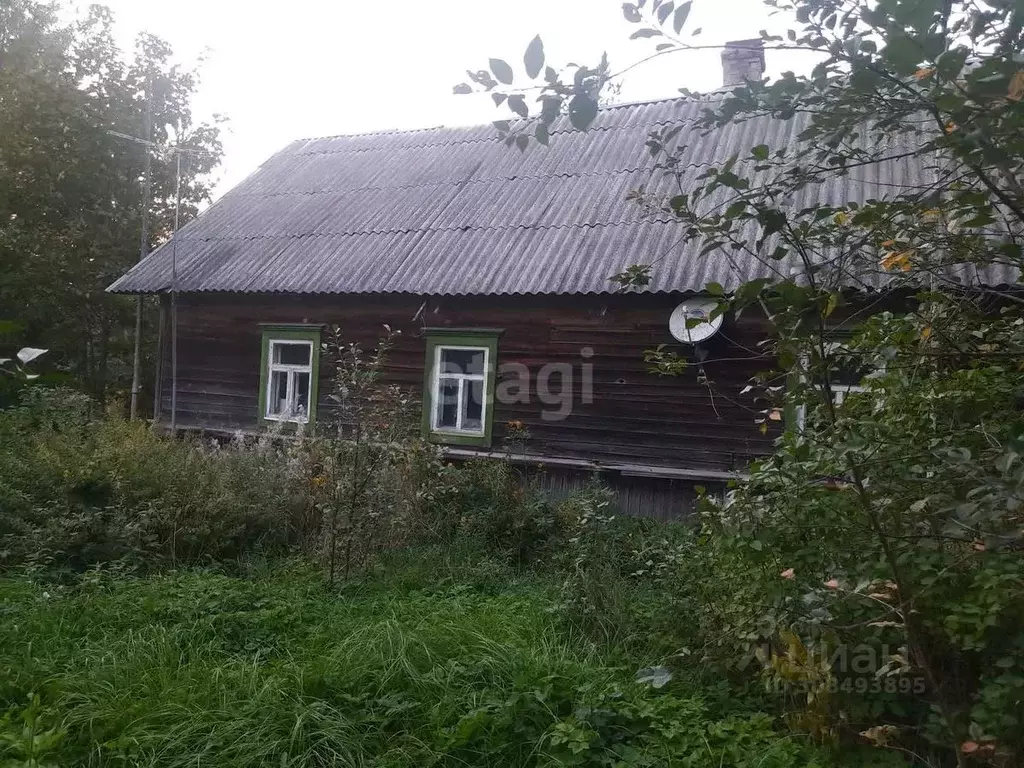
pixel 300 68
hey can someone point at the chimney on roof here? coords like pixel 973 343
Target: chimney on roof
pixel 742 60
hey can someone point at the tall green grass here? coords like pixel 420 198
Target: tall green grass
pixel 200 668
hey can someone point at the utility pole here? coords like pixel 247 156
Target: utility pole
pixel 174 297
pixel 147 131
pixel 177 151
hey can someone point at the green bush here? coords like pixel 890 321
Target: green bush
pixel 873 564
pixel 508 516
pixel 75 490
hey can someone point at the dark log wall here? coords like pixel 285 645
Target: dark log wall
pixel 636 418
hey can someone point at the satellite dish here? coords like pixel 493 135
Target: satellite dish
pixel 690 310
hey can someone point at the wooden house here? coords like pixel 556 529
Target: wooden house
pixel 494 264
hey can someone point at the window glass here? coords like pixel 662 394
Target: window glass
pixel 289 379
pixel 291 354
pixel 847 366
pixel 849 372
pixel 301 393
pixel 448 404
pixel 458 380
pixel 465 361
pixel 278 395
pixel 459 390
pixel 473 404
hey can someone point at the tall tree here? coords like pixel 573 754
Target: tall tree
pixel 70 182
pixel 890 515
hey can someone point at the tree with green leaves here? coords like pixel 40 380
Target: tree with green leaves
pixel 891 515
pixel 71 180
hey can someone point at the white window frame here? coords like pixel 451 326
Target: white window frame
pixel 462 378
pixel 840 391
pixel 291 370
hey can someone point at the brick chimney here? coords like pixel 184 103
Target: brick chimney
pixel 742 60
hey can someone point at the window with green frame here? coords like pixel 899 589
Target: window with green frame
pixel 289 370
pixel 458 385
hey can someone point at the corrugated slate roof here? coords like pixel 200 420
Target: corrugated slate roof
pixel 455 211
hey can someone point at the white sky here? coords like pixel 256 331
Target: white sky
pixel 287 70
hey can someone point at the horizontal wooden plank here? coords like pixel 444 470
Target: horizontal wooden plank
pixel 635 417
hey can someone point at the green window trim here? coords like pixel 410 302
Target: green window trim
pixel 296 332
pixel 475 338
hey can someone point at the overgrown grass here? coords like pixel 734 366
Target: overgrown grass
pixel 201 668
pixel 153 611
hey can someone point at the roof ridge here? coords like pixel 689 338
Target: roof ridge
pixel 448 182
pixel 470 126
pixel 240 193
pixel 372 232
pixel 457 142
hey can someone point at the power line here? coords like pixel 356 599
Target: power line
pixel 164 148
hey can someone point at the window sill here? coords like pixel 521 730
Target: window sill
pixel 277 420
pixel 459 438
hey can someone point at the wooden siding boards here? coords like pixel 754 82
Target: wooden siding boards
pixel 635 418
pixel 659 498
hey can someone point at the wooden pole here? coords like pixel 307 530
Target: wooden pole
pixel 147 130
pixel 174 299
pixel 161 353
